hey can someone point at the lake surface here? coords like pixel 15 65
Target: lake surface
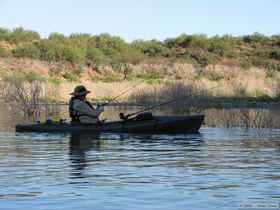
pixel 216 169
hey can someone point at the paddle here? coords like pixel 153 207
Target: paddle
pixel 125 117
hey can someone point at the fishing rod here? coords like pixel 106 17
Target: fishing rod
pixel 121 94
pixel 124 92
pixel 125 117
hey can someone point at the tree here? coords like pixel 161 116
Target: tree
pixel 151 48
pixel 95 58
pixel 28 50
pixel 19 35
pixel 4 33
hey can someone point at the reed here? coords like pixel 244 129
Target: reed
pixel 22 96
pixel 190 96
pixel 242 117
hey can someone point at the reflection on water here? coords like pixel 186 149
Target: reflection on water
pixel 80 144
pixel 216 169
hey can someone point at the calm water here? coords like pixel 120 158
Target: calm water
pixel 216 169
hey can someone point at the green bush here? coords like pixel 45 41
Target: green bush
pixel 70 77
pixel 57 37
pixel 201 57
pixel 222 46
pixel 110 78
pixel 73 55
pixel 20 35
pixel 49 51
pixel 113 57
pixel 185 41
pixel 29 77
pixel 151 48
pixel 95 79
pixel 55 80
pixel 4 34
pixel 131 55
pixel 151 77
pixel 256 38
pixel 102 50
pixel 95 58
pixel 275 54
pixel 3 52
pixel 30 51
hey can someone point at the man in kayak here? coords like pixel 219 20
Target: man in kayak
pixel 80 110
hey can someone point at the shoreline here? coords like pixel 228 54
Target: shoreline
pixel 231 81
pixel 210 103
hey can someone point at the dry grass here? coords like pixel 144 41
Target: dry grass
pixel 165 92
pixel 23 96
pixel 232 80
pixel 187 96
pixel 103 90
pixel 243 117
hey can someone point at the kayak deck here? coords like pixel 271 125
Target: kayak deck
pixel 160 124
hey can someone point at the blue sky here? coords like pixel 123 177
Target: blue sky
pixel 143 19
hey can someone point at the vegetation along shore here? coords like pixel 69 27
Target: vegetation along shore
pixel 245 66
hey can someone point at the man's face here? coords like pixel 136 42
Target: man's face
pixel 83 97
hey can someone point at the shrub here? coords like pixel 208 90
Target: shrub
pixel 78 69
pixel 73 54
pixel 3 52
pixel 22 96
pixel 275 54
pixel 56 37
pixel 30 51
pixel 19 35
pixel 183 41
pixel 110 78
pixel 222 46
pixel 201 57
pixel 32 76
pixel 255 38
pixel 4 33
pixel 151 48
pixel 131 55
pixel 103 50
pixel 151 77
pixel 70 77
pixel 214 75
pixel 95 58
pixel 47 51
pixel 112 57
pixel 240 90
pixel 95 79
pixel 54 80
pixel 28 77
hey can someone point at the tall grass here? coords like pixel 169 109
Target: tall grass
pixel 24 96
pixel 187 96
pixel 19 95
pixel 242 117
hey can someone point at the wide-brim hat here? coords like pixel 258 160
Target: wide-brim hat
pixel 80 90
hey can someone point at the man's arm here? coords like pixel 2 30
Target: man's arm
pixel 83 108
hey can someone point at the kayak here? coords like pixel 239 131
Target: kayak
pixel 157 125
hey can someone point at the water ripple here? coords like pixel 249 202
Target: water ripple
pixel 218 168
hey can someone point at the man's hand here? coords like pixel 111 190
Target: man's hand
pixel 100 106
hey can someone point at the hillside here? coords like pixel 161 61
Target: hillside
pixel 240 66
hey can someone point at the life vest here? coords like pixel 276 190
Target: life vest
pixel 74 114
